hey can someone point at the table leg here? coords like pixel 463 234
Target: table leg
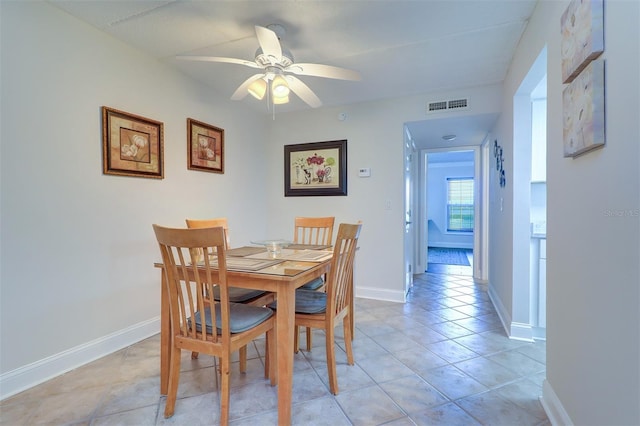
pixel 284 337
pixel 165 340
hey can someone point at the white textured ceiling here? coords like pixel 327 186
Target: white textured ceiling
pixel 399 47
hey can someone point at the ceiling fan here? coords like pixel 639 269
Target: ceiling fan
pixel 278 70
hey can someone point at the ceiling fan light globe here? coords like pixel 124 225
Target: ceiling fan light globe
pixel 279 87
pixel 258 88
pixel 279 100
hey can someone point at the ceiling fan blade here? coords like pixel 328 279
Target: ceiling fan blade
pixel 269 43
pixel 327 71
pixel 219 59
pixel 242 90
pixel 303 91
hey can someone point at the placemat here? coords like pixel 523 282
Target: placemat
pixel 245 251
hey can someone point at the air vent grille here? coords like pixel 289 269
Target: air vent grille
pixel 437 106
pixel 458 103
pixel 440 106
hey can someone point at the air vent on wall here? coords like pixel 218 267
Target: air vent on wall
pixel 447 105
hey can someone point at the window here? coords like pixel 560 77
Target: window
pixel 460 204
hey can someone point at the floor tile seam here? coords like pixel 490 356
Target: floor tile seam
pixel 329 396
pixel 544 365
pixel 385 393
pixel 105 415
pixel 495 391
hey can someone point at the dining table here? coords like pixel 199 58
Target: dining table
pixel 259 269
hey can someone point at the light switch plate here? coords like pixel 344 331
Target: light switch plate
pixel 364 172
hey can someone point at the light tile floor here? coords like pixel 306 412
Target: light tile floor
pixel 441 358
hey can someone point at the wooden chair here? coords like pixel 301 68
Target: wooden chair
pixel 322 310
pixel 318 231
pixel 199 323
pixel 236 295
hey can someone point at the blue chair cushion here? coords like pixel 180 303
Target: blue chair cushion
pixel 308 302
pixel 238 295
pixel 314 284
pixel 242 317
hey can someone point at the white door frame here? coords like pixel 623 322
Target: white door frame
pixel 480 240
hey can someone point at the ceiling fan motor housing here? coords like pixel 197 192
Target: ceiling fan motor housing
pixel 285 60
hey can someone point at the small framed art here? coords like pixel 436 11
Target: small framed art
pixel 205 147
pixel 131 145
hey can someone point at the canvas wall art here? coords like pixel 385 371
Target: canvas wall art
pixel 582 27
pixel 583 111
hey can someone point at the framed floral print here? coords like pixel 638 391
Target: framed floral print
pixel 205 147
pixel 318 168
pixel 131 145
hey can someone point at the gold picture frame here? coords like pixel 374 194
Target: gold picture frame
pixel 131 145
pixel 205 147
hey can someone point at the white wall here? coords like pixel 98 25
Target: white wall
pixel 77 246
pixel 593 229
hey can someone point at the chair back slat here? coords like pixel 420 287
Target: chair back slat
pixel 211 223
pixel 181 251
pixel 313 230
pixel 340 277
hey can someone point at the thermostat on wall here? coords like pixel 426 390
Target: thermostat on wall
pixel 364 172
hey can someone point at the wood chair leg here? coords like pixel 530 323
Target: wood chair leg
pixel 331 361
pixel 271 363
pixel 243 359
pixel 296 338
pixel 174 378
pixel 348 338
pixel 309 339
pixel 225 389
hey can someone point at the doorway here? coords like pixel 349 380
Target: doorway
pixel 441 172
pixel 450 212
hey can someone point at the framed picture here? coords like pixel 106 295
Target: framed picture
pixel 131 145
pixel 582 27
pixel 205 147
pixel 583 111
pixel 318 168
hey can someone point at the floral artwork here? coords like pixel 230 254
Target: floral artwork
pixel 583 111
pixel 315 168
pixel 205 146
pixel 131 145
pixel 582 36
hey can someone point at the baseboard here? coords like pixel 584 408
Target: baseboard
pixel 33 374
pixel 553 407
pixel 515 330
pixel 521 331
pixel 503 314
pixel 380 294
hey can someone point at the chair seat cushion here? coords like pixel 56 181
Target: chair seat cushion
pixel 308 302
pixel 314 284
pixel 237 294
pixel 241 317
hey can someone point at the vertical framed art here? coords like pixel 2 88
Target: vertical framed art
pixel 131 145
pixel 583 111
pixel 205 147
pixel 582 26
